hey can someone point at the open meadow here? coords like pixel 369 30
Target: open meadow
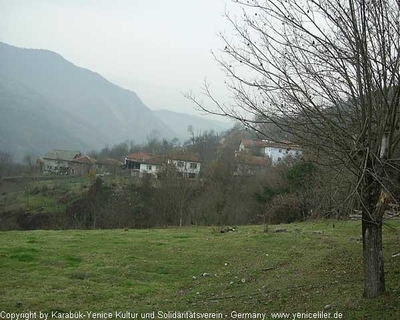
pixel 313 266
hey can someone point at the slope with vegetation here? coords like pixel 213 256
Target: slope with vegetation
pixel 314 266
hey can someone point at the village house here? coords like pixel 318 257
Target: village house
pixel 108 166
pixel 187 164
pixel 59 161
pixel 134 160
pixel 250 165
pixel 276 151
pixel 83 165
pixel 252 147
pixel 136 163
pixel 151 165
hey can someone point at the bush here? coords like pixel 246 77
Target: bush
pixel 286 208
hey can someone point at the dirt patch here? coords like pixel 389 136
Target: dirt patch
pixel 10 186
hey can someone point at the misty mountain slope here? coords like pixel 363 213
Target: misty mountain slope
pixel 181 121
pixel 28 123
pixel 75 104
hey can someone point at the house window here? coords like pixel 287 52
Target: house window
pixel 180 164
pixel 297 153
pixel 193 165
pixel 149 168
pixel 192 175
pixel 280 150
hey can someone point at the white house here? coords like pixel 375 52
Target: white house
pixel 276 151
pixel 152 165
pixel 134 160
pixel 187 164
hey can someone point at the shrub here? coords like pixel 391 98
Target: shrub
pixel 286 208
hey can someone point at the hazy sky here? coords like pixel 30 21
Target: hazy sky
pixel 157 48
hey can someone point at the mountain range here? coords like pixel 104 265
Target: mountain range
pixel 181 121
pixel 47 102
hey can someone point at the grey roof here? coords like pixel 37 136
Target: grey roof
pixel 61 154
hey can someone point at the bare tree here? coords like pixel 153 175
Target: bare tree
pixel 327 73
pixel 29 162
pixel 191 131
pixel 5 163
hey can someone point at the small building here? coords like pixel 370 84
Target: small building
pixel 108 166
pixel 252 147
pixel 59 161
pixel 152 165
pixel 83 165
pixel 134 160
pixel 187 163
pixel 250 165
pixel 276 151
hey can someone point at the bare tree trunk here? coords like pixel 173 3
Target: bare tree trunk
pixel 374 277
pixel 375 201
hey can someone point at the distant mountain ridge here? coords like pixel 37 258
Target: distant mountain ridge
pixel 47 102
pixel 180 122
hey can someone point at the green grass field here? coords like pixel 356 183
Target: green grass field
pixel 42 195
pixel 197 269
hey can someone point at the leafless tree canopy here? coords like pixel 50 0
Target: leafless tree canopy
pixel 327 73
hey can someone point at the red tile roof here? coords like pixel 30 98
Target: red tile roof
pixel 143 157
pixel 253 143
pixel 156 160
pixel 140 156
pixel 184 156
pixel 252 160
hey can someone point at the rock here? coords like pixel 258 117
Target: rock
pixel 394 255
pixel 18 303
pixel 228 229
pixel 194 278
pixel 243 280
pixel 327 307
pixel 317 232
pixel 205 274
